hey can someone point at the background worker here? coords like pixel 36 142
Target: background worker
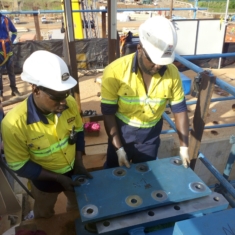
pixel 43 136
pixel 6 54
pixel 135 90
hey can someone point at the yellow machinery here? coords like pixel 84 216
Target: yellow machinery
pixel 77 19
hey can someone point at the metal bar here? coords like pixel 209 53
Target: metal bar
pixel 208 56
pixel 205 127
pixel 225 86
pixel 217 175
pixel 104 10
pixel 111 28
pixel 213 100
pixel 15 177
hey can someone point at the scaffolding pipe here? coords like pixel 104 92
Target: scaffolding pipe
pixel 213 100
pixel 217 175
pixel 206 127
pixel 103 10
pixel 223 85
pixel 208 56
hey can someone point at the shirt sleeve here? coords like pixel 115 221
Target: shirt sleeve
pixel 177 87
pixel 30 170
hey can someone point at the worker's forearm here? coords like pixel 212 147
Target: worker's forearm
pixel 112 130
pixel 47 175
pixel 182 126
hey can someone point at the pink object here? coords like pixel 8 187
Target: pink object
pixel 91 126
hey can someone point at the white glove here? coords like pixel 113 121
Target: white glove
pixel 184 156
pixel 122 157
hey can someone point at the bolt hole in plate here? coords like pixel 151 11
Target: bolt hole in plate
pixel 142 168
pixel 81 179
pixel 119 172
pixel 159 195
pixel 89 211
pixel 197 187
pixel 134 201
pixel 176 161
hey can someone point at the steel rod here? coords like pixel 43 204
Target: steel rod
pixel 217 175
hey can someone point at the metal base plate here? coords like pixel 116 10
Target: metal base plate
pixel 171 213
pixel 119 191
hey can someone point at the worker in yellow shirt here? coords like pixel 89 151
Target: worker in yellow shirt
pixel 135 91
pixel 43 136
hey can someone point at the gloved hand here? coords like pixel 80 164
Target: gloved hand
pixel 67 183
pixel 184 156
pixel 79 169
pixel 122 158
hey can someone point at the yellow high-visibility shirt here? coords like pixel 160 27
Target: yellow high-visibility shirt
pixel 122 85
pixel 29 135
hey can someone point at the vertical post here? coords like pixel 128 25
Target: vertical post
pixel 103 22
pixel 36 23
pixel 206 88
pixel 226 12
pixel 72 60
pixel 195 11
pixel 170 14
pixel 112 29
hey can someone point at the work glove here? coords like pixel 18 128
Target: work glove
pixel 122 157
pixel 66 182
pixel 79 169
pixel 184 156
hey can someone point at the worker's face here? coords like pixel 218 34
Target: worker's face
pixel 50 101
pixel 145 63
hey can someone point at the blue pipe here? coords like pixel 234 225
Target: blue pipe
pixel 225 86
pixel 168 119
pixel 217 175
pixel 103 10
pixel 206 127
pixel 231 159
pixel 213 100
pixel 208 56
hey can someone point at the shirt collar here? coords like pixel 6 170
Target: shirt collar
pixel 34 114
pixel 134 68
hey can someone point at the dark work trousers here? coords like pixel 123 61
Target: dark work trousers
pixel 140 144
pixel 9 65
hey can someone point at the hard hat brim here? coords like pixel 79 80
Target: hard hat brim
pixel 62 86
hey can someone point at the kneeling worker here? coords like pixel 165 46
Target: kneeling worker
pixel 43 136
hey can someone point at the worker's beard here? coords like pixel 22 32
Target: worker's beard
pixel 150 71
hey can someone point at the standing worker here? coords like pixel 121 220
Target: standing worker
pixel 6 54
pixel 135 90
pixel 43 136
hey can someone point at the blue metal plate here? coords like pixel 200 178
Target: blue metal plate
pixel 120 191
pixel 216 223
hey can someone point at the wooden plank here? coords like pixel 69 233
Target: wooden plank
pixel 206 89
pixel 10 200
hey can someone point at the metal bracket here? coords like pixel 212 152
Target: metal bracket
pixel 196 85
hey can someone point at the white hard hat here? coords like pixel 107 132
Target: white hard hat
pixel 43 68
pixel 158 37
